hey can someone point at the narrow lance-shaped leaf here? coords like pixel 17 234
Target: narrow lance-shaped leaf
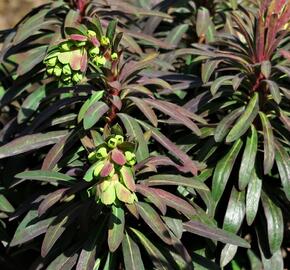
pixel 94 113
pixel 269 146
pixel 245 120
pixel 283 163
pixel 223 170
pixel 157 258
pixel 131 254
pixel 30 142
pixel 253 197
pixel 225 124
pixel 175 35
pixel 176 180
pixel 5 205
pixel 212 233
pixel 224 80
pixel 154 221
pixel 116 228
pixel 275 223
pixel 274 90
pixel 248 159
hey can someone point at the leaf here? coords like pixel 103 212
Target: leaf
pixel 275 223
pixel 146 110
pixel 223 170
pixel 266 68
pixel 245 120
pixel 152 196
pixel 30 142
pixel 202 21
pixel 227 254
pixel 175 226
pixel 94 113
pixel 30 227
pixel 111 30
pixel 157 258
pixel 131 254
pixel 133 129
pixel 154 221
pixel 58 226
pixel 275 262
pixel 5 205
pixel 225 124
pixel 93 98
pixel 176 202
pixel 189 165
pixel 116 228
pixel 30 104
pixel 207 69
pixel 45 176
pixel 60 149
pixel 224 80
pixel 283 163
pixel 275 91
pixel 33 58
pixel 235 211
pixel 175 35
pixel 248 159
pixel 212 233
pixel 176 180
pixel 253 197
pixel 269 146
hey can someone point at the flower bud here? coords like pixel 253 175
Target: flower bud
pixel 129 155
pixel 81 43
pixel 92 157
pixel 94 51
pixel 119 138
pixel 112 143
pixel 65 46
pixel 100 60
pixel 65 78
pixel 105 41
pixel 132 162
pixel 91 33
pixel 49 71
pixel 98 168
pixel 51 62
pixel 102 153
pixel 77 77
pixel 114 56
pixel 57 70
pixel 66 70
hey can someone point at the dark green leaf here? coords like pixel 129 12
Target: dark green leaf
pixel 248 159
pixel 94 113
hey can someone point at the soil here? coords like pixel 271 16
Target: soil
pixel 11 11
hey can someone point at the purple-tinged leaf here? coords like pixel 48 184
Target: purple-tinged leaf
pixel 131 254
pixel 118 157
pixel 107 169
pixel 78 37
pixel 29 228
pixel 153 220
pixel 175 180
pixel 175 226
pixel 84 61
pixel 152 197
pixel 157 257
pixel 128 178
pixel 60 149
pixel 212 233
pixel 51 199
pixel 176 202
pixel 94 114
pixel 274 90
pixel 189 165
pixel 146 110
pixel 116 228
pixel 58 226
pixel 30 142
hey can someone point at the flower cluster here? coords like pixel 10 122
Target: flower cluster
pixel 113 172
pixel 68 61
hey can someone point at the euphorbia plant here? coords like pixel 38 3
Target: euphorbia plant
pixel 245 95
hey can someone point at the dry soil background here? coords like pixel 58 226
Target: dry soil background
pixel 11 11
